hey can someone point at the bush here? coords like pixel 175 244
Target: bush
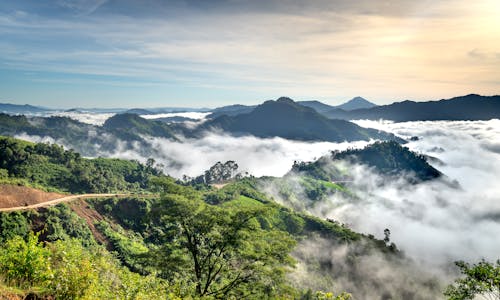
pixel 74 272
pixel 25 263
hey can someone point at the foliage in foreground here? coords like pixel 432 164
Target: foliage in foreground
pixel 481 279
pixel 221 252
pixel 66 270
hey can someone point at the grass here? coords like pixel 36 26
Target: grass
pixel 243 201
pixel 333 186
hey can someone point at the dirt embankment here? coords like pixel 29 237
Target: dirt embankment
pixel 14 196
pixel 82 209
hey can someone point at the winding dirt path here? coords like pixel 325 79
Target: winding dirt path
pixel 71 198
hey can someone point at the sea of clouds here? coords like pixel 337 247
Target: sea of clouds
pixel 434 223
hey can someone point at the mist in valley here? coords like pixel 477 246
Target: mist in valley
pixel 433 223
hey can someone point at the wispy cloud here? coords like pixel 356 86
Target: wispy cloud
pixel 82 6
pixel 322 48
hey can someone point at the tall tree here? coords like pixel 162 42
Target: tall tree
pixel 220 251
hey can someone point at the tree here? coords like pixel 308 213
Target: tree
pixel 221 252
pixel 481 279
pixel 387 236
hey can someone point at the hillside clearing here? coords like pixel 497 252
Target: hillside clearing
pixel 14 196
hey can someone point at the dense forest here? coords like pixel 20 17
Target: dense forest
pixel 193 242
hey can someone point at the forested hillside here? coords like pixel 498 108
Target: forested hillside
pixel 51 167
pixel 193 241
pixel 387 158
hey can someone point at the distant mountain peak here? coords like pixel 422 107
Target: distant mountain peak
pixel 285 99
pixel 358 98
pixel 356 103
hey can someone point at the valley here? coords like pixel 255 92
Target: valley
pixel 347 202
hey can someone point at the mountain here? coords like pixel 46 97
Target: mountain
pixel 132 126
pixel 356 103
pixel 287 119
pixel 469 107
pixel 231 110
pixel 21 109
pixel 139 111
pixel 316 105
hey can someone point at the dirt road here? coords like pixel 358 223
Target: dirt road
pixel 70 198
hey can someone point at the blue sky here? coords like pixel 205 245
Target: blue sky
pixel 105 53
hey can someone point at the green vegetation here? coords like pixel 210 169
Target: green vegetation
pixel 231 255
pixel 193 242
pixel 66 270
pixel 52 167
pixel 387 158
pixel 126 130
pixel 130 127
pixel 218 173
pixel 481 279
pixel 390 158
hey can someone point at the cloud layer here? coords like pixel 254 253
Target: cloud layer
pixel 435 223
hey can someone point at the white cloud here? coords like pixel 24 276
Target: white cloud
pixel 259 157
pixel 391 51
pixel 433 222
pixel 85 117
pixel 190 115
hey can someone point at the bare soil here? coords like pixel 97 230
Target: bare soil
pixel 14 196
pixel 90 215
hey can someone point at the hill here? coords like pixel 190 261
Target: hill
pixel 55 169
pixel 386 158
pixel 88 139
pixel 131 126
pixel 114 248
pixel 139 111
pixel 470 107
pixel 287 119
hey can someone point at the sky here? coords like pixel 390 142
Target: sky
pixel 200 53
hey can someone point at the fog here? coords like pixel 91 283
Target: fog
pixel 85 117
pixel 366 274
pixel 98 118
pixel 435 223
pixel 257 156
pixel 190 115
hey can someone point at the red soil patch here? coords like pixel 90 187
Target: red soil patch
pixel 13 196
pixel 90 215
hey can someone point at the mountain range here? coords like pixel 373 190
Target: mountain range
pixel 354 103
pixel 21 109
pixel 469 107
pixel 288 119
pixel 281 118
pixel 238 109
